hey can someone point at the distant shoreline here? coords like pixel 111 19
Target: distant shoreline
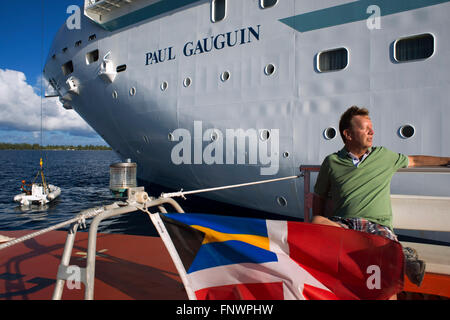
pixel 27 146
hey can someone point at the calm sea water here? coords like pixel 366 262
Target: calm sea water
pixel 83 177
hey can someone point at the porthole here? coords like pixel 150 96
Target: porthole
pixel 218 10
pixel 282 202
pixel 91 57
pixel 332 60
pixel 329 133
pixel 146 140
pixel 67 68
pixel 133 91
pixel 267 3
pixel 286 154
pixel 214 136
pixel 407 131
pixel 269 69
pixel 264 135
pixel 121 68
pixel 225 76
pixel 187 82
pixel 164 86
pixel 114 94
pixel 170 137
pixel 417 47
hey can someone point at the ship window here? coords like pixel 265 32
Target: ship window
pixel 121 68
pixel 267 3
pixel 218 10
pixel 269 69
pixel 414 48
pixel 187 82
pixel 78 43
pixel 67 68
pixel 332 60
pixel 225 76
pixel 92 57
pixel 92 37
pixel 282 202
pixel 264 134
pixel 329 133
pixel 406 131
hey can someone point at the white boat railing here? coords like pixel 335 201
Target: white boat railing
pixel 137 200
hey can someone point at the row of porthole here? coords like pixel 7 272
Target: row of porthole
pixel 264 136
pixel 224 76
pixel 406 131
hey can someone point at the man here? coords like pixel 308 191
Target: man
pixel 358 178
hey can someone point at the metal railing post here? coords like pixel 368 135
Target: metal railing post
pixel 65 260
pixel 92 241
pixel 306 191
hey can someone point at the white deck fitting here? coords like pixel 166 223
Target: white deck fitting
pixel 421 212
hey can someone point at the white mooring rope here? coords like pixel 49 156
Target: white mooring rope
pixel 80 219
pixel 182 193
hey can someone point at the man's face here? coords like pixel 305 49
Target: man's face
pixel 361 133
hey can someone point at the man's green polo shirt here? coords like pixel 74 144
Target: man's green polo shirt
pixel 361 191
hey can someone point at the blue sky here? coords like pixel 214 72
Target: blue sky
pixel 27 29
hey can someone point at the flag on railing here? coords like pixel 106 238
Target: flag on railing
pixel 223 257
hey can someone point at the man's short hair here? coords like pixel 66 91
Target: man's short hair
pixel 347 116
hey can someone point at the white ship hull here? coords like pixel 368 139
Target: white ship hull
pixel 145 111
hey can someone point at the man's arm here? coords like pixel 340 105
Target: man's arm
pixel 322 206
pixel 423 161
pixel 319 204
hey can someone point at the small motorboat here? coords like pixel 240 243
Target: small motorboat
pixel 40 193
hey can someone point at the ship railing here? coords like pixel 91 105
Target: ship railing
pixel 410 212
pixel 102 7
pixel 137 200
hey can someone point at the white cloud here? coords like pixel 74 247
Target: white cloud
pixel 20 108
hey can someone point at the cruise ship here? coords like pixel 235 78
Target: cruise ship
pixel 209 93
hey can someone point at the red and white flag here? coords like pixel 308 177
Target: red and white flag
pixel 229 258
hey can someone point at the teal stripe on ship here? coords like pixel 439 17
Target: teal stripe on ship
pixel 148 12
pixel 352 12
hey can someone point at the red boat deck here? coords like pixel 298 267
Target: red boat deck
pixel 127 267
